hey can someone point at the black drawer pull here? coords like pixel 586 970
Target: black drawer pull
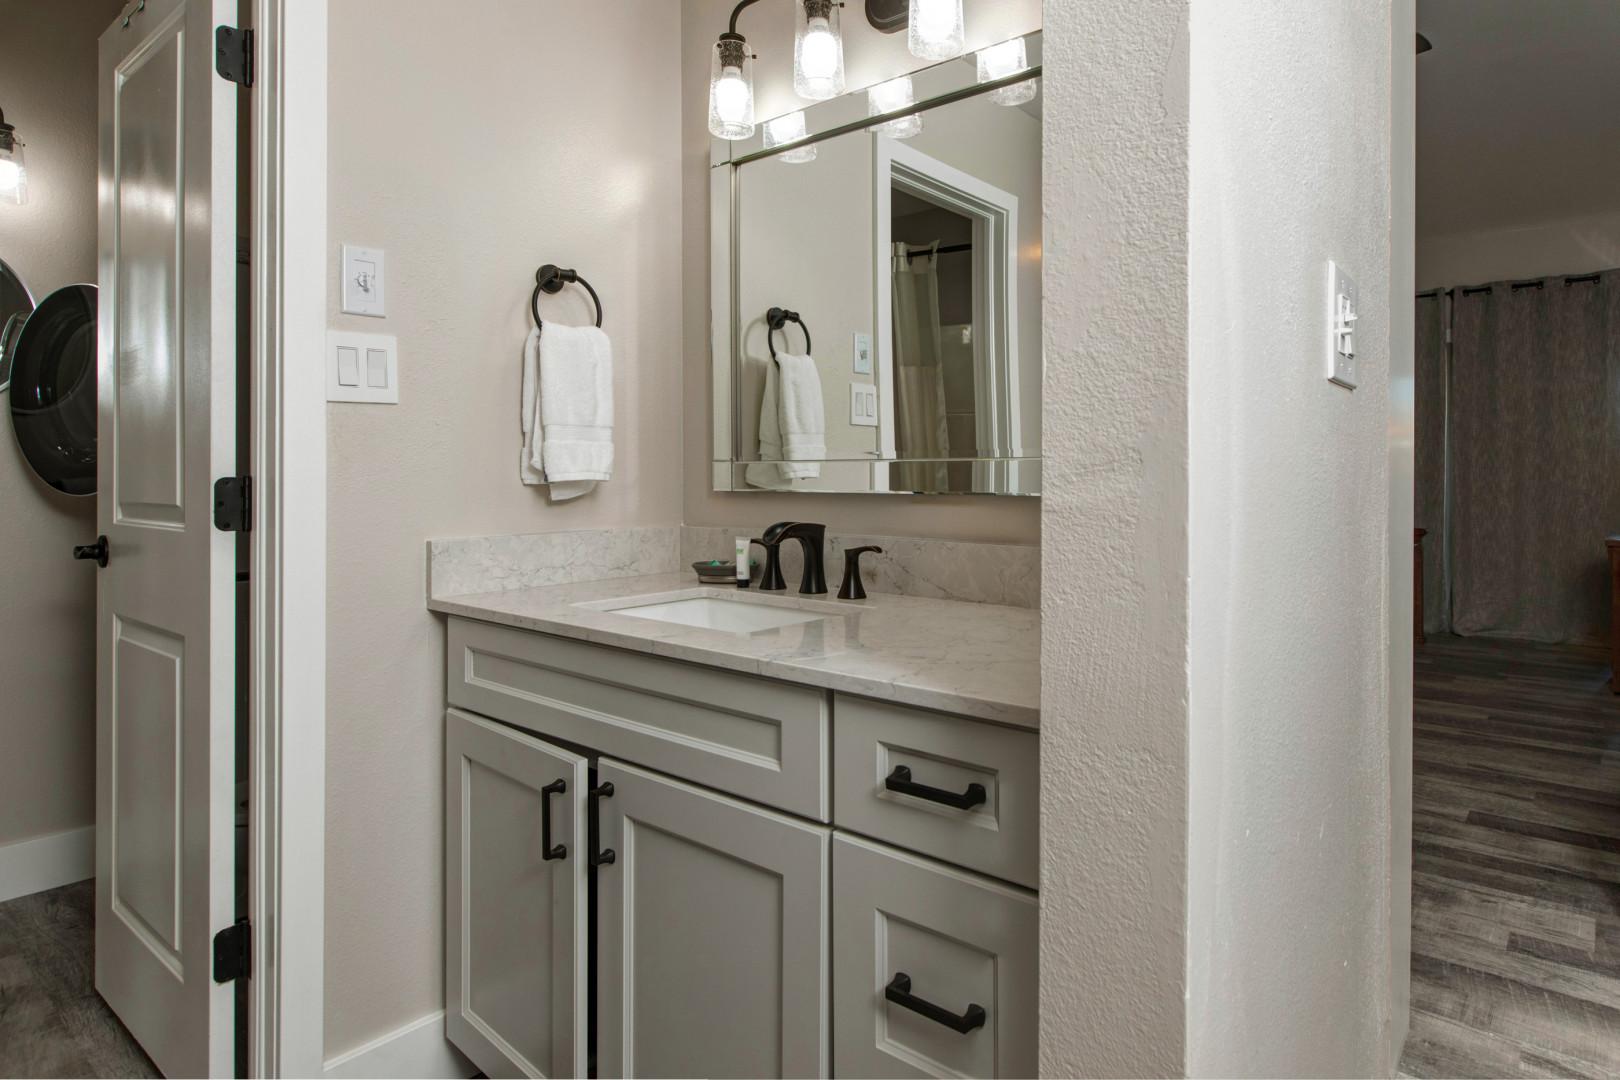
pixel 599 792
pixel 899 992
pixel 549 850
pixel 900 780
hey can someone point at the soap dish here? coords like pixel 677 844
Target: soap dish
pixel 716 573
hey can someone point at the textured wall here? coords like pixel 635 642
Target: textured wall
pixel 473 148
pixel 1114 564
pixel 870 57
pixel 1289 828
pixel 48 618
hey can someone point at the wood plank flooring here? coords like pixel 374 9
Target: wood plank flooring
pixel 52 1021
pixel 1515 862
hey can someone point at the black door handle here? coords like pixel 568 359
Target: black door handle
pixel 96 552
pixel 549 850
pixel 899 992
pixel 900 780
pixel 598 793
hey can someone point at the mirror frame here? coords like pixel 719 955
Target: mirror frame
pixel 11 326
pixel 935 86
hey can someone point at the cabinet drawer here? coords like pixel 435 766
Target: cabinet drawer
pixel 763 740
pixel 999 833
pixel 958 950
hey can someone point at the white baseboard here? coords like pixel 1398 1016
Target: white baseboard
pixel 417 1051
pixel 45 862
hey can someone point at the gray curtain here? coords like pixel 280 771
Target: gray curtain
pixel 1429 453
pixel 1535 446
pixel 919 371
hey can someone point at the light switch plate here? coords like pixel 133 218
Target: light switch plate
pixel 1343 340
pixel 362 367
pixel 863 354
pixel 863 404
pixel 363 281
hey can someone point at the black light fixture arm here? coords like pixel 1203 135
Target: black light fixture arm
pixel 736 11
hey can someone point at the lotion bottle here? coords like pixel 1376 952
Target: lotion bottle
pixel 742 562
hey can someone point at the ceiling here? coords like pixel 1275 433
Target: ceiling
pixel 1518 113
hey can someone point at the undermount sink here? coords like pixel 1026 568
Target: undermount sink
pixel 709 613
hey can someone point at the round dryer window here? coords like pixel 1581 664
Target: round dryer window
pixel 53 389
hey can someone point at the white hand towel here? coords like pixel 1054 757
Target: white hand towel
pixel 802 417
pixel 766 473
pixel 567 409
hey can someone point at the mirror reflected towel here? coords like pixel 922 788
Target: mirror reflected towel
pixel 792 424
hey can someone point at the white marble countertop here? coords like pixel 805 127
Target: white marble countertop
pixel 979 660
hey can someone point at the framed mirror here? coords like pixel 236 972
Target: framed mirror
pixel 16 304
pixel 876 288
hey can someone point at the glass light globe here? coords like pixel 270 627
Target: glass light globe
pixel 934 29
pixel 731 91
pixel 785 129
pixel 13 176
pixel 818 50
pixel 1000 61
pixel 889 96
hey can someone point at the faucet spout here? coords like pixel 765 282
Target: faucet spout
pixel 812 538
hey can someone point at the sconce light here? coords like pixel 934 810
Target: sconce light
pixel 13 176
pixel 1000 61
pixel 731 87
pixel 935 29
pixel 786 129
pixel 818 50
pixel 889 96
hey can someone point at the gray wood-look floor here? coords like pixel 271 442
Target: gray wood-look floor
pixel 1515 862
pixel 52 1021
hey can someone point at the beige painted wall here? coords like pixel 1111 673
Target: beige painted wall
pixel 1559 246
pixel 472 149
pixel 869 57
pixel 1289 867
pixel 48 618
pixel 1114 569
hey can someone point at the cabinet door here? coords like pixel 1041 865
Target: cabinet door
pixel 516 939
pixel 935 967
pixel 712 934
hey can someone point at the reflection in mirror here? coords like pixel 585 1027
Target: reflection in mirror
pixel 16 303
pixel 914 267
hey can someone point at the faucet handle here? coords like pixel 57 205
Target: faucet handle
pixel 852 588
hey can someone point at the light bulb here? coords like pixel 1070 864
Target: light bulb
pixel 934 31
pixel 731 96
pixel 731 91
pixel 789 128
pixel 889 96
pixel 818 50
pixel 819 53
pixel 1000 61
pixel 10 175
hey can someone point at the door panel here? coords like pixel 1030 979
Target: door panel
pixel 712 939
pixel 165 708
pixel 516 949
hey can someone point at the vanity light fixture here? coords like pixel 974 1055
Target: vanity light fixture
pixel 13 176
pixel 786 129
pixel 1004 60
pixel 731 89
pixel 889 96
pixel 935 29
pixel 818 50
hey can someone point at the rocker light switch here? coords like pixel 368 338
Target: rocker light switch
pixel 863 404
pixel 362 367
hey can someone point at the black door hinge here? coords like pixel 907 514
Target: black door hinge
pixel 233 503
pixel 233 54
pixel 233 952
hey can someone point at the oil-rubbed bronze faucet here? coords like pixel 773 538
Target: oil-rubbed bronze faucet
pixel 812 538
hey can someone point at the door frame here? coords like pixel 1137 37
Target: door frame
pixel 287 695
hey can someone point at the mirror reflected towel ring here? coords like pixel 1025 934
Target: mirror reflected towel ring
pixel 53 390
pixel 777 319
pixel 16 304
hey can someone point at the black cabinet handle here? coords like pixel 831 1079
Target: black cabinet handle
pixel 900 780
pixel 551 851
pixel 598 793
pixel 899 992
pixel 96 552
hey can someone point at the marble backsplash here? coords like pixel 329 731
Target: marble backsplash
pixel 484 564
pixel 909 566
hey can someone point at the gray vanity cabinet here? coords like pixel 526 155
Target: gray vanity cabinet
pixel 516 937
pixel 712 940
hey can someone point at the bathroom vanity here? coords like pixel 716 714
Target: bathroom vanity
pixel 804 844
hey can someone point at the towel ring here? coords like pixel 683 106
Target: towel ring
pixel 777 319
pixel 550 279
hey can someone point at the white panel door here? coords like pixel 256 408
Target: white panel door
pixel 165 599
pixel 712 931
pixel 517 934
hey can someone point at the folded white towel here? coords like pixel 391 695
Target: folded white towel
pixel 567 409
pixel 766 473
pixel 803 418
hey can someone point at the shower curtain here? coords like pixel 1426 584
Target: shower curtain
pixel 919 373
pixel 1535 456
pixel 1429 453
